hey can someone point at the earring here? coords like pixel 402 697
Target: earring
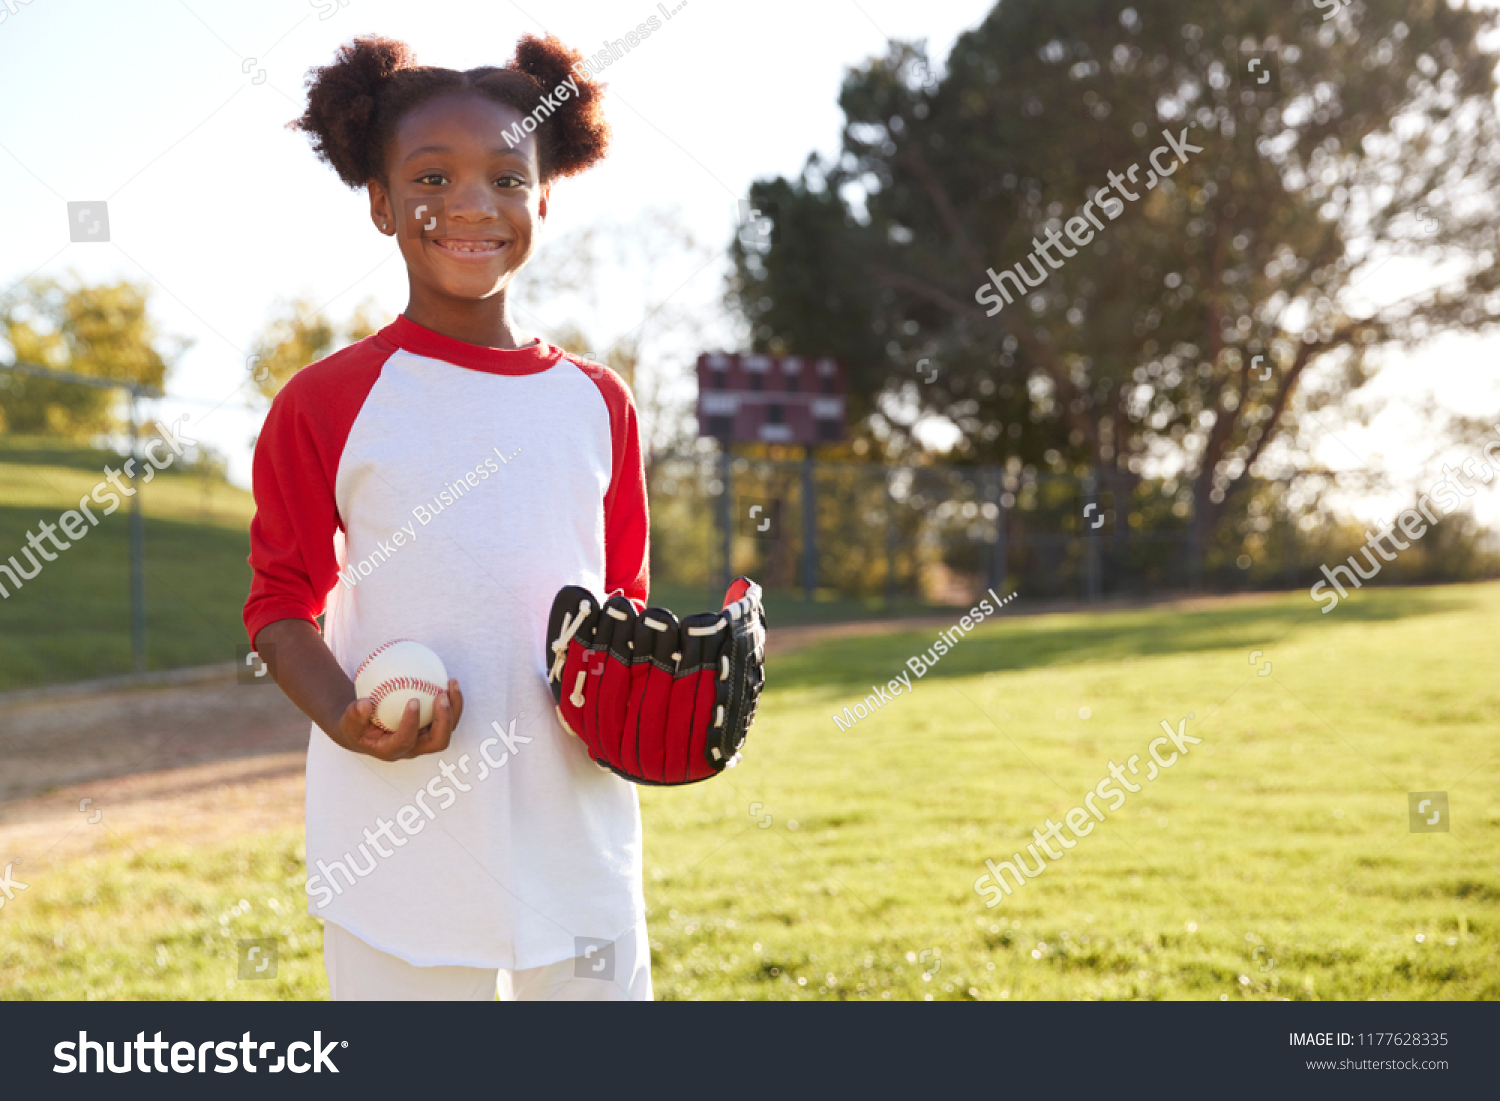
pixel 382 225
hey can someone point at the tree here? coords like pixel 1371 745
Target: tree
pixel 100 330
pixel 1200 304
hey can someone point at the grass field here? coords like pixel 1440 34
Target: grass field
pixel 1274 860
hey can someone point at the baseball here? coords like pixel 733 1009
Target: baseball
pixel 398 671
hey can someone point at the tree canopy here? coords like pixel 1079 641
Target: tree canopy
pixel 1194 304
pixel 100 330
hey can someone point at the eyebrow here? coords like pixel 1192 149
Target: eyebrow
pixel 426 149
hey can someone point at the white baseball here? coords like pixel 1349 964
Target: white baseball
pixel 397 672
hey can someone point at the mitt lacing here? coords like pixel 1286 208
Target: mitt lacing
pixel 560 646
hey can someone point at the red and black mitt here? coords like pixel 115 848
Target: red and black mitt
pixel 655 700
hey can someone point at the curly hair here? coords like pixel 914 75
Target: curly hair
pixel 355 104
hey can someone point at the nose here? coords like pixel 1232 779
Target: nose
pixel 472 203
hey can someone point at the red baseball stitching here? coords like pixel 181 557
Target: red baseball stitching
pixel 382 648
pixel 386 687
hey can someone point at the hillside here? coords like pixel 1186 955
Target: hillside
pixel 72 621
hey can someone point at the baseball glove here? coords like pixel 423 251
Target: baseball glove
pixel 657 701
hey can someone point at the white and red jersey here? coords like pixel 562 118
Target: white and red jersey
pixel 416 486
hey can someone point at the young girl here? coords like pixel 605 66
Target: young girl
pixel 441 481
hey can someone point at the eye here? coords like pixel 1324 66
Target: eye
pixel 512 180
pixel 432 179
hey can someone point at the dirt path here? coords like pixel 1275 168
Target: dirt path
pixel 204 761
pixel 201 805
pixel 70 738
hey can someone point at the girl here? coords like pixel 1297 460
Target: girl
pixel 441 481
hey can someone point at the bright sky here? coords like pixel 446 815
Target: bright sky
pixel 156 110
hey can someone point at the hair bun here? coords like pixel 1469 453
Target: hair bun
pixel 545 60
pixel 579 135
pixel 341 99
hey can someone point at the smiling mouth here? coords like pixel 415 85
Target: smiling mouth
pixel 467 248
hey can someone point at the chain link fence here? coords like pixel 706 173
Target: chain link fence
pixel 940 533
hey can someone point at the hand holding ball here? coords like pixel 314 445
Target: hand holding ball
pixel 395 673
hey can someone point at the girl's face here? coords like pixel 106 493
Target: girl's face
pixel 463 203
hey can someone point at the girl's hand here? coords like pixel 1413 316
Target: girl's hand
pixel 304 667
pixel 358 733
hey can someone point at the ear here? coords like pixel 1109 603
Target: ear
pixel 541 206
pixel 380 207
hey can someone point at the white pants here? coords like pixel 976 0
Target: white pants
pixel 621 972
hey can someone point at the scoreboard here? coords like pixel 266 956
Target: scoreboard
pixel 751 398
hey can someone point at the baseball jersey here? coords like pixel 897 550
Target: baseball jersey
pixel 416 486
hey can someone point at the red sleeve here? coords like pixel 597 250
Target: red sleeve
pixel 294 475
pixel 627 528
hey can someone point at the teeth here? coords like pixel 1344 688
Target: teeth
pixel 471 246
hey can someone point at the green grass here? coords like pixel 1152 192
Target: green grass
pixel 163 924
pixel 72 621
pixel 1283 837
